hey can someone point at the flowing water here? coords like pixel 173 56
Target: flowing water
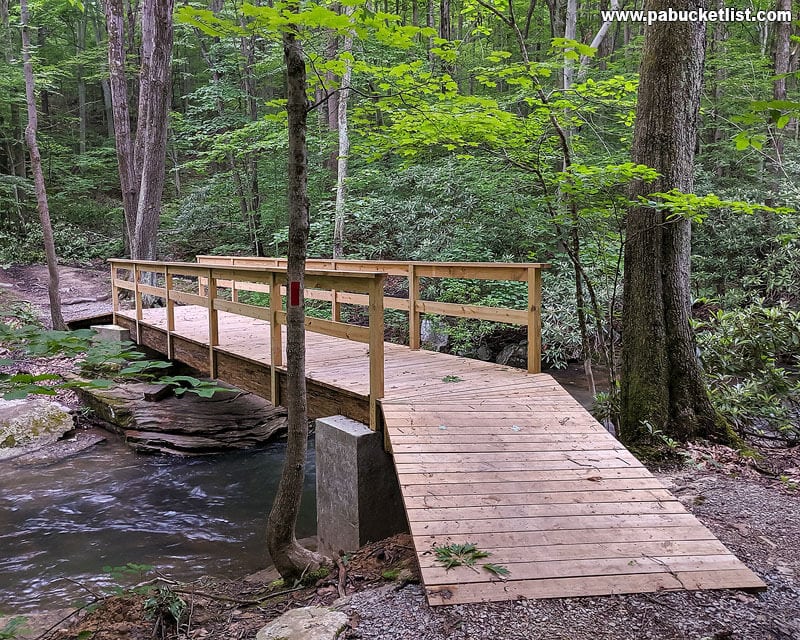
pixel 61 524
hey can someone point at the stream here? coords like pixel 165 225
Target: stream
pixel 187 517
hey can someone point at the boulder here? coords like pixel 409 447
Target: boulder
pixel 31 423
pixel 189 425
pixel 306 623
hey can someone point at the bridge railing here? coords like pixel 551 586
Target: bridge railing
pixel 530 273
pixel 174 283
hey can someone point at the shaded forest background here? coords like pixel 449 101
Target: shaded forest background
pixel 455 154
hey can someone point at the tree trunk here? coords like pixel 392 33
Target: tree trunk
pixel 15 147
pixel 38 176
pixel 444 20
pixel 105 85
pixel 344 147
pixel 570 29
pixel 79 71
pixel 783 33
pixel 115 25
pixel 151 137
pixel 292 560
pixel 662 383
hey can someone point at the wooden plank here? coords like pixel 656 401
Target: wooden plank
pixel 494 314
pixel 475 271
pixel 421 488
pixel 515 467
pixel 125 284
pixel 590 551
pixel 534 320
pixel 188 298
pixel 510 512
pixel 376 353
pixel 532 498
pixel 574 567
pixel 545 523
pixel 477 477
pixel 566 537
pixel 592 586
pixel 239 308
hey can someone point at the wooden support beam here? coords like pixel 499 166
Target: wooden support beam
pixel 213 325
pixel 534 320
pixel 276 338
pixel 168 284
pixel 414 317
pixel 376 356
pixel 137 298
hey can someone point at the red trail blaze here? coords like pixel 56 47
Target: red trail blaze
pixel 294 294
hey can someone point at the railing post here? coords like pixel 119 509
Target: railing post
pixel 137 301
pixel 414 331
pixel 213 325
pixel 376 374
pixel 534 320
pixel 168 283
pixel 336 307
pixel 114 293
pixel 234 290
pixel 275 337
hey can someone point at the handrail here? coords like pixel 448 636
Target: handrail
pixel 529 272
pixel 268 278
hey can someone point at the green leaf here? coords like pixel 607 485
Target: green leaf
pixel 497 569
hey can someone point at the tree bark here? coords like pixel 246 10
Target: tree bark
pixel 115 25
pixel 781 57
pixel 662 383
pixel 344 147
pixel 290 558
pixel 38 176
pixel 151 137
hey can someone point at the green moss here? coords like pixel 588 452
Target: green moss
pixel 312 576
pixel 390 574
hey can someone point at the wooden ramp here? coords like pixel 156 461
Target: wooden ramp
pixel 526 474
pixel 485 454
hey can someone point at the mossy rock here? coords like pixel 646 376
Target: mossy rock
pixel 32 422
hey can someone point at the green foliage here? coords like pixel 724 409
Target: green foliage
pixel 14 627
pixel 164 606
pixel 117 360
pixel 458 555
pixel 467 555
pixel 752 360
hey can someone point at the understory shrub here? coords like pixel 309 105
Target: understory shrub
pixel 751 358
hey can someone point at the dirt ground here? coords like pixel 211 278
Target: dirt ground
pixel 85 293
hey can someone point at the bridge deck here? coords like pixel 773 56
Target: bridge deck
pixel 497 457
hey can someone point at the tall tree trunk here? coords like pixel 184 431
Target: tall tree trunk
pixel 445 30
pixel 344 146
pixel 15 146
pixel 151 137
pixel 79 71
pixel 662 384
pixel 38 177
pixel 105 85
pixel 570 30
pixel 129 183
pixel 781 56
pixel 292 560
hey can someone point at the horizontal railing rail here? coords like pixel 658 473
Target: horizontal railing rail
pixel 414 305
pixel 158 280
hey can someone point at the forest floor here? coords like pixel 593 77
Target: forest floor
pixel 85 292
pixel 752 507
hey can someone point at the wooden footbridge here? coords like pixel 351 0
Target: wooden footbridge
pixel 488 454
